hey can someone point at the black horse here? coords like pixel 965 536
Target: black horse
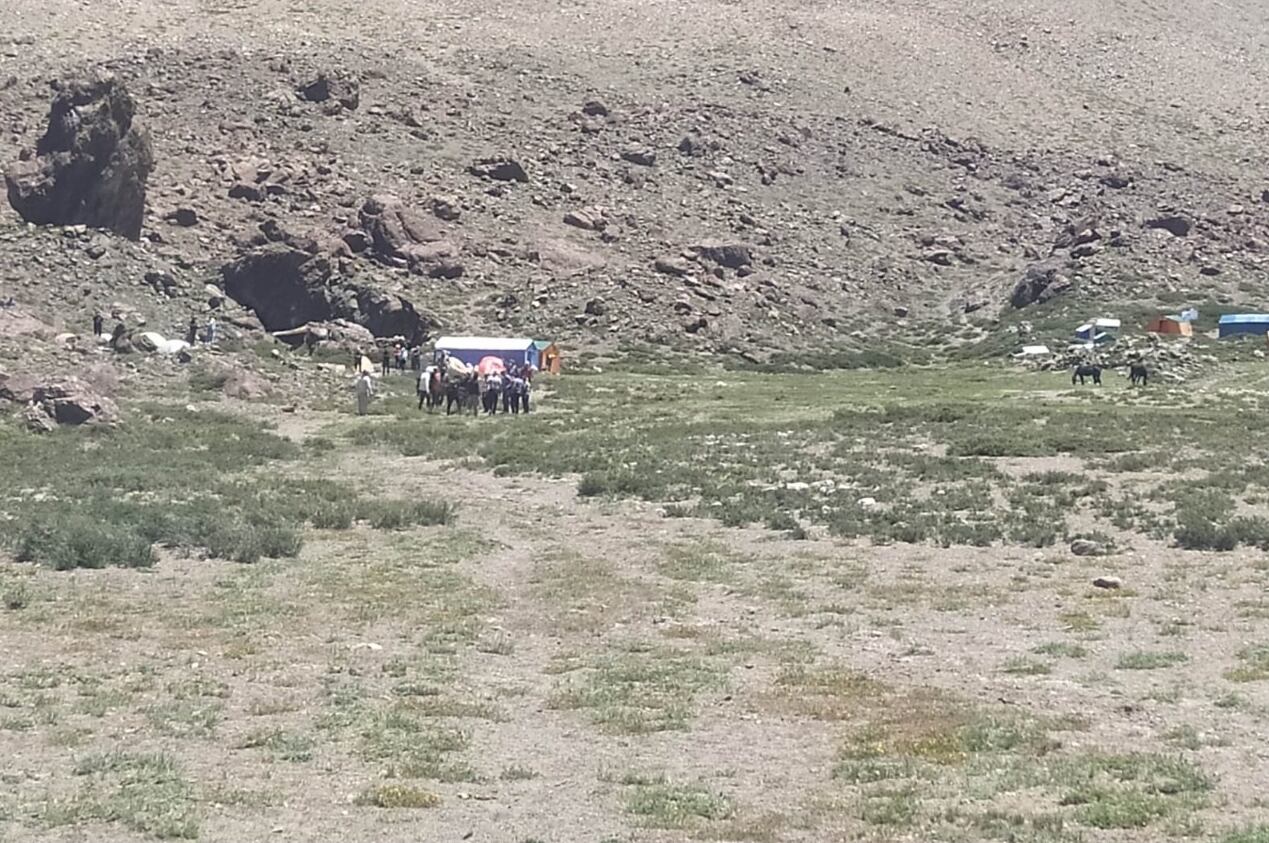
pixel 1081 372
pixel 464 393
pixel 1137 374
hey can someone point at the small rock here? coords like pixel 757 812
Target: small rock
pixel 1174 224
pixel 595 108
pixel 1087 547
pixel 672 266
pixel 643 156
pixel 248 191
pixel 901 312
pixel 184 217
pixel 332 87
pixel 446 208
pixel 580 219
pixel 596 307
pixel 499 169
pixel 1108 582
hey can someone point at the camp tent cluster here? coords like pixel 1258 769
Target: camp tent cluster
pixel 1097 331
pixel 543 355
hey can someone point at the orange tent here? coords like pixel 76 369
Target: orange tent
pixel 1171 325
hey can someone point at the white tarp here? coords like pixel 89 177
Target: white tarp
pixel 1033 351
pixel 149 340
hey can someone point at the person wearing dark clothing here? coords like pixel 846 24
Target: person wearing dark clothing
pixel 387 361
pixel 98 324
pixel 191 334
pixel 117 334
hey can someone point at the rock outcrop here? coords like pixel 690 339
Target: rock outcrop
pixel 289 287
pixel 63 401
pixel 1041 282
pixel 90 167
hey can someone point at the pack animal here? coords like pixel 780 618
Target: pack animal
pixel 463 393
pixel 1082 372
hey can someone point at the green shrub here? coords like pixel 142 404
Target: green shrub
pixel 334 516
pixel 78 542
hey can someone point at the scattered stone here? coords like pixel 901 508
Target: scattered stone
pixel 1108 582
pixel 91 165
pixel 596 307
pixel 499 169
pixel 1174 224
pixel 338 87
pixel 1115 181
pixel 594 108
pixel 901 312
pixel 1087 547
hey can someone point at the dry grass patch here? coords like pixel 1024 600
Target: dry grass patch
pixel 645 688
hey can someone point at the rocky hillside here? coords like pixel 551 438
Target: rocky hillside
pixel 720 176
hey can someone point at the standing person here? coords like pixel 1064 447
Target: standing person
pixel 365 389
pixel 191 334
pixel 356 359
pixel 98 324
pixel 386 365
pixel 211 330
pixel 401 354
pixel 117 334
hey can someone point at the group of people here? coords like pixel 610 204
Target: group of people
pixel 451 384
pixel 400 357
pixel 191 332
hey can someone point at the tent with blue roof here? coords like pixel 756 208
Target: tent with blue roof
pixel 1233 324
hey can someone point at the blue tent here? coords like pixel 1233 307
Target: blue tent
pixel 471 350
pixel 1244 323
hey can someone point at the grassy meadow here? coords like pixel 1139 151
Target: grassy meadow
pixel 711 606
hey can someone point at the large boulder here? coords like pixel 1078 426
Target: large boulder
pixel 398 232
pixel 288 287
pixel 69 401
pixel 1041 282
pixel 91 165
